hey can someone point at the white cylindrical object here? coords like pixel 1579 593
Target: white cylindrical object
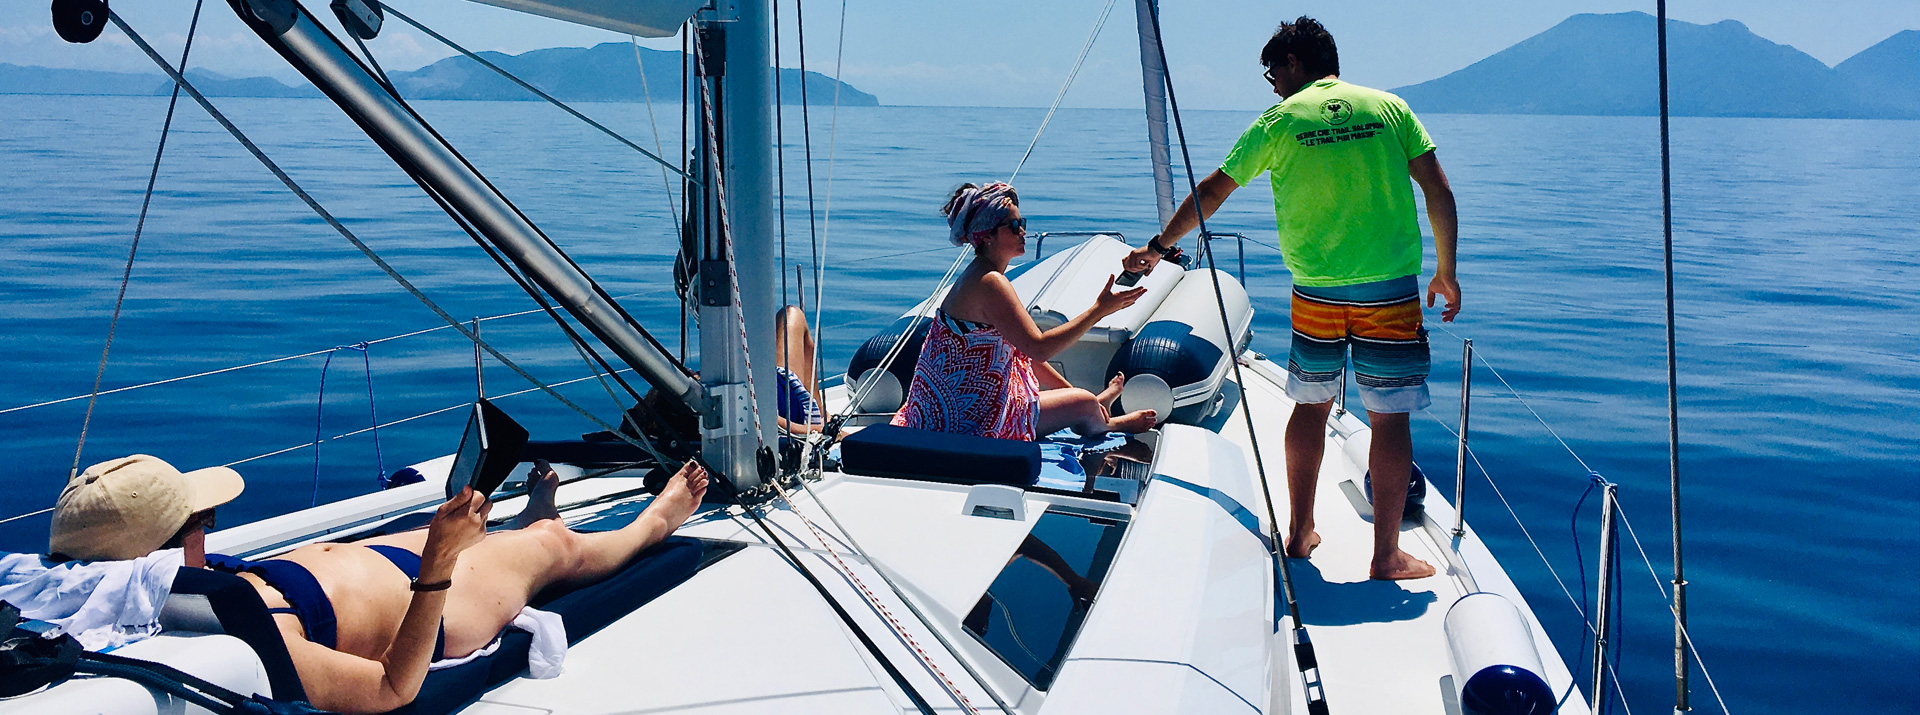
pixel 1496 668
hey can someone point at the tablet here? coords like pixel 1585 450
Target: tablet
pixel 489 450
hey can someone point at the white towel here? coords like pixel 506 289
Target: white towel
pixel 544 657
pixel 104 604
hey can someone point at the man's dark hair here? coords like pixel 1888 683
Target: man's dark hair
pixel 1307 40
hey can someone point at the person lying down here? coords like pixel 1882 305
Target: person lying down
pixel 364 620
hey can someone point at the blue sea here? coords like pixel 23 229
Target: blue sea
pixel 1797 275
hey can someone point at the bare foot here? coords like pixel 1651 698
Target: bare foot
pixel 682 495
pixel 1132 422
pixel 542 484
pixel 1401 566
pixel 1112 392
pixel 1300 546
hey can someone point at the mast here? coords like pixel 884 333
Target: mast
pixel 298 36
pixel 736 336
pixel 1153 81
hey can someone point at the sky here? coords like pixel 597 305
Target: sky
pixel 999 52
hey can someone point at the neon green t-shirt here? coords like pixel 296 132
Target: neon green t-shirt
pixel 1341 192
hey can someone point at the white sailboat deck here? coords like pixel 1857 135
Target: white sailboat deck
pixel 1381 646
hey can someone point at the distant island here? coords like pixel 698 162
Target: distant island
pixel 1606 65
pixel 609 72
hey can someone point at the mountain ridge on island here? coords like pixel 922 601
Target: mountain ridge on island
pixel 608 72
pixel 1717 70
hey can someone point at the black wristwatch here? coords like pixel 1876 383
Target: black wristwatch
pixel 1167 253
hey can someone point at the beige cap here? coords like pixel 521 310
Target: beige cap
pixel 129 507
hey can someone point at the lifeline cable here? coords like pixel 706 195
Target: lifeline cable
pixel 139 227
pixel 1303 647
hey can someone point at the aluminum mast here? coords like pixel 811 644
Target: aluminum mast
pixel 737 67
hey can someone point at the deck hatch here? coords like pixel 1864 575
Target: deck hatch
pixel 1032 612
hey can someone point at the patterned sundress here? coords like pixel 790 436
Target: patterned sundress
pixel 970 380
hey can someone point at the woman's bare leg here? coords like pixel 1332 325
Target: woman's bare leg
pixel 495 579
pixel 1081 411
pixel 796 349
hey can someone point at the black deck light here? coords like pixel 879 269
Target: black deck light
pixel 79 21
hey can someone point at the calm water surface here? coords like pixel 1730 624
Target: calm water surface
pixel 1796 269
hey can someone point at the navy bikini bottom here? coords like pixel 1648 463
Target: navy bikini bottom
pixel 305 599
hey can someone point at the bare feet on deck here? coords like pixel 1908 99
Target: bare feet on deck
pixel 542 483
pixel 1399 567
pixel 682 495
pixel 1112 392
pixel 1132 422
pixel 1300 546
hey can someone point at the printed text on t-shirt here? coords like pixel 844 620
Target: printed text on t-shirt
pixel 1338 134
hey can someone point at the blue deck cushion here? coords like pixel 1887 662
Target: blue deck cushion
pixel 585 611
pixel 906 453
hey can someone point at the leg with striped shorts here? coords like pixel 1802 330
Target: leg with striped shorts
pixel 1380 322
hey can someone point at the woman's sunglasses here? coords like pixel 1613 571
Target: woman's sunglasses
pixel 1019 225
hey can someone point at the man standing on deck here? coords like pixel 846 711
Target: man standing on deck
pixel 1341 157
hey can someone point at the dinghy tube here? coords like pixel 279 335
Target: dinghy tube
pixel 1184 344
pixel 1496 669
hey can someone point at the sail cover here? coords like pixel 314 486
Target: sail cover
pixel 1153 80
pixel 645 18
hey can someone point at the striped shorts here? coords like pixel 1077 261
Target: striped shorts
pixel 1381 321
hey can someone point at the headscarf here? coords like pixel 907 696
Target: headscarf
pixel 976 210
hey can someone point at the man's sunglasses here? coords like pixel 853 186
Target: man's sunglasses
pixel 1269 75
pixel 1019 225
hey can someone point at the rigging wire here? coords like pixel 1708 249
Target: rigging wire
pixel 780 150
pixel 900 679
pixel 1679 601
pixel 133 251
pixel 646 91
pixel 1084 49
pixel 537 91
pixel 526 285
pixel 806 140
pixel 1315 701
pixel 294 186
pixel 826 221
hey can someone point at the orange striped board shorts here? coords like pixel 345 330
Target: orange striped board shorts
pixel 1380 324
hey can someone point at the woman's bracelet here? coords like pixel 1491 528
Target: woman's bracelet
pixel 417 586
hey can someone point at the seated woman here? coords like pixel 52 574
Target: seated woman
pixel 800 400
pixel 363 620
pixel 983 369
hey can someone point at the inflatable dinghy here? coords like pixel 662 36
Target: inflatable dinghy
pixel 1170 345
